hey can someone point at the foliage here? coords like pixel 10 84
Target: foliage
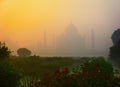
pixel 96 73
pixel 114 54
pixel 98 65
pixel 4 51
pixel 115 50
pixel 36 66
pixel 116 36
pixel 27 81
pixel 9 76
pixel 23 52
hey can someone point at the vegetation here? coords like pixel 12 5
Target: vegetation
pixel 9 76
pixel 115 51
pixel 114 55
pixel 4 51
pixel 23 52
pixel 59 72
pixel 96 73
pixel 36 66
pixel 115 36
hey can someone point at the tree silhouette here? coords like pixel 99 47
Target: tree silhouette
pixel 115 50
pixel 116 36
pixel 114 53
pixel 23 52
pixel 4 51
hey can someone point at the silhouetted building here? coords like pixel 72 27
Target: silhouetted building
pixel 54 41
pixel 92 41
pixel 71 43
pixel 45 40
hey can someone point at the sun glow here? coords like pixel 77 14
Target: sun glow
pixel 26 13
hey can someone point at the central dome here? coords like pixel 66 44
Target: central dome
pixel 71 29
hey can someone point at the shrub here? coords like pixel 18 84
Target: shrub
pixel 98 65
pixel 95 73
pixel 9 77
pixel 23 52
pixel 4 51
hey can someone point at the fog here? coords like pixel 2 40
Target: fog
pixel 45 28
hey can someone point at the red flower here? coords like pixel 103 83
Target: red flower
pixel 65 70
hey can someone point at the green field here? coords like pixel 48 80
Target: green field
pixel 35 71
pixel 37 66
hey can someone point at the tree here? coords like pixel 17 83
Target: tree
pixel 115 50
pixel 115 36
pixel 9 75
pixel 114 54
pixel 4 51
pixel 23 52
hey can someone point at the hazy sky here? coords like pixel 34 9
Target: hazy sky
pixel 23 22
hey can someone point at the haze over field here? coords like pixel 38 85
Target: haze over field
pixel 39 24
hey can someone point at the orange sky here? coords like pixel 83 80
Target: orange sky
pixel 27 13
pixel 24 21
pixel 20 18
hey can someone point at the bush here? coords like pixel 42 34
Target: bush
pixel 23 52
pixel 4 51
pixel 95 73
pixel 98 65
pixel 9 77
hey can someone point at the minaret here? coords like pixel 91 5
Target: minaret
pixel 54 41
pixel 45 41
pixel 92 41
pixel 83 43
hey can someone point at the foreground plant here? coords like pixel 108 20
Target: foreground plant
pixel 9 76
pixel 95 73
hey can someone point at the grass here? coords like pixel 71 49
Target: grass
pixel 51 69
pixel 33 66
